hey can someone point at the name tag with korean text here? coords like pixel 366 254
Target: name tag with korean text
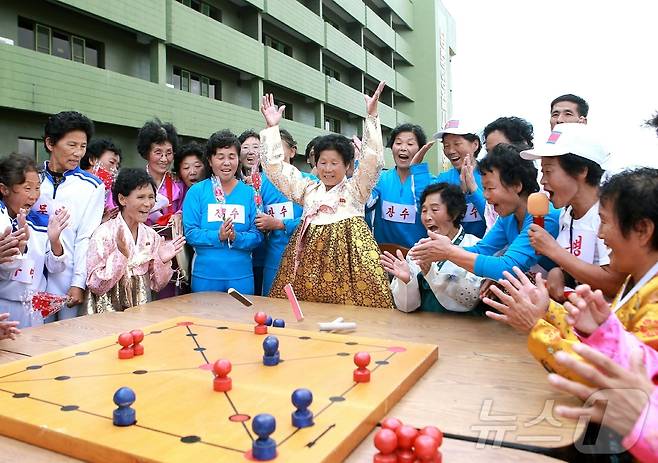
pixel 472 214
pixel 401 213
pixel 281 211
pixel 220 212
pixel 24 273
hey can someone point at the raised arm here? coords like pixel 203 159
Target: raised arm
pixel 371 162
pixel 286 177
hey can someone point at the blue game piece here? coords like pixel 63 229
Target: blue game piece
pixel 271 348
pixel 302 417
pixel 278 323
pixel 268 321
pixel 124 397
pixel 263 448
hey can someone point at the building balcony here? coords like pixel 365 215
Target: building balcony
pixel 220 42
pixel 404 9
pixel 355 9
pixel 299 18
pixel 344 47
pixel 403 48
pixel 146 16
pixel 380 70
pixel 387 115
pixel 345 97
pixel 404 86
pixel 47 84
pixel 379 28
pixel 287 72
pixel 403 118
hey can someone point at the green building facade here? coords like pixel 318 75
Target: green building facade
pixel 203 65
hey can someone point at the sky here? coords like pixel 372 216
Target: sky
pixel 514 56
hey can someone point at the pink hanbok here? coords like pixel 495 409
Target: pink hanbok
pixel 612 340
pixel 115 282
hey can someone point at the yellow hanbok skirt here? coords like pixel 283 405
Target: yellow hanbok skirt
pixel 338 264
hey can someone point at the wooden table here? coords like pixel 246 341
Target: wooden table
pixel 485 384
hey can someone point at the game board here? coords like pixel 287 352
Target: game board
pixel 62 400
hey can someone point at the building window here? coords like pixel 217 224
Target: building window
pixel 32 147
pixel 332 124
pixel 44 39
pixel 331 72
pixel 204 8
pixel 332 23
pixel 196 83
pixel 277 45
pixel 287 113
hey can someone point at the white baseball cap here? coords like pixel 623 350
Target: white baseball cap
pixel 456 127
pixel 570 138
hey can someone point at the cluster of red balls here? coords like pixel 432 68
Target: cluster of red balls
pixel 47 303
pixel 399 443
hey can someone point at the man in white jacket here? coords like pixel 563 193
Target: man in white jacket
pixel 65 185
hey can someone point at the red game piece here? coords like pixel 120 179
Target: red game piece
pixel 260 318
pixel 391 423
pixel 386 442
pixel 425 448
pixel 126 340
pixel 222 383
pixel 406 437
pixel 138 337
pixel 361 374
pixel 434 432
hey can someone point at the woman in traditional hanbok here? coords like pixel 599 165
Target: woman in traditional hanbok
pixel 127 259
pixel 332 257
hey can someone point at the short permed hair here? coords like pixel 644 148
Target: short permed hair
pixel 247 134
pixel 157 132
pixel 95 149
pixel 64 122
pixel 417 130
pixel 583 107
pixel 452 197
pixel 574 165
pixel 192 148
pixel 287 137
pixel 340 143
pixel 516 129
pixel 130 179
pixel 633 195
pixel 512 169
pixel 13 169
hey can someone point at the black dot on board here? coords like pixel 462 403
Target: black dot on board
pixel 69 408
pixel 199 349
pixel 190 439
pixel 222 327
pixel 381 362
pixel 343 354
pixel 33 367
pixel 337 398
pixel 140 372
pixel 155 332
pixel 62 378
pixel 21 395
pixel 305 337
pixel 191 334
pixel 351 343
pixel 81 353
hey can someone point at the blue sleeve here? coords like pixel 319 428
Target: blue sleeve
pixel 291 225
pixel 420 174
pixel 195 234
pixel 519 253
pixel 492 242
pixel 477 197
pixel 249 239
